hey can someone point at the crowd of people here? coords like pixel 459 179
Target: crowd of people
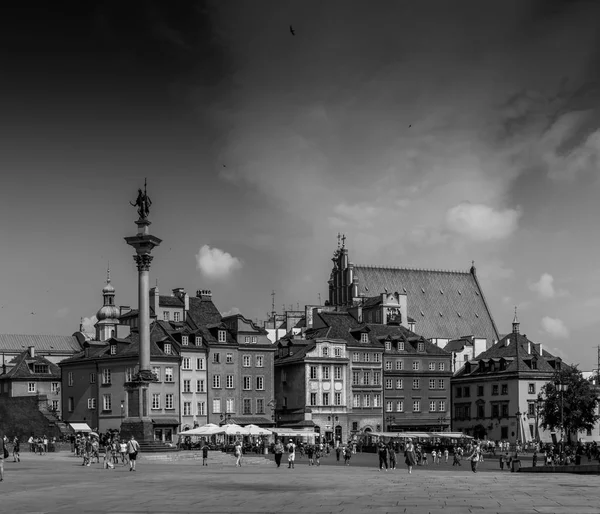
pixel 115 449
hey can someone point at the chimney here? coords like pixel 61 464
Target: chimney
pixel 529 347
pixel 186 303
pixel 154 298
pixel 204 294
pixel 178 292
pixel 31 351
pixel 403 301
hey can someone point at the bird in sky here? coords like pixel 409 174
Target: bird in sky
pixel 224 166
pixel 409 126
pixel 292 31
pixel 33 313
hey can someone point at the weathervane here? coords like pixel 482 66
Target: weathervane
pixel 143 203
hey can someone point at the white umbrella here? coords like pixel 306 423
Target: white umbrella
pixel 256 430
pixel 208 429
pixel 233 429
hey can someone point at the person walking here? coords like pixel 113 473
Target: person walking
pixel 383 455
pixel 3 454
pixel 310 452
pixel 347 454
pixel 291 448
pixel 238 453
pixel 474 458
pixel 318 455
pixel 133 447
pixel 108 456
pixel 392 455
pixel 446 453
pixel 205 455
pixel 17 450
pixel 338 452
pixel 410 458
pixel 278 451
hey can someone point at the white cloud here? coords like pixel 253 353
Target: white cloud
pixel 231 312
pixel 88 325
pixel 216 263
pixel 481 222
pixel 545 287
pixel 554 327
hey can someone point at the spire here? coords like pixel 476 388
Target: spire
pixel 108 273
pixel 515 323
pixel 472 270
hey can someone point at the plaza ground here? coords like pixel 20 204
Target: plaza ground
pixel 57 483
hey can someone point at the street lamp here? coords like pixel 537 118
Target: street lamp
pixel 518 416
pixel 562 388
pixel 441 420
pixel 390 420
pixel 225 418
pixel 122 410
pixel 538 405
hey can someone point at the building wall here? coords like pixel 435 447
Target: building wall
pixel 365 417
pixel 266 371
pixel 222 393
pixel 290 387
pixel 194 398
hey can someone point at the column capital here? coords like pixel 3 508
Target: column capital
pixel 143 262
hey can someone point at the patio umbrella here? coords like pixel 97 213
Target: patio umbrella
pixel 256 430
pixel 94 434
pixel 203 430
pixel 234 429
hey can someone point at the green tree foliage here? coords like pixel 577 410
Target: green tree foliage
pixel 579 400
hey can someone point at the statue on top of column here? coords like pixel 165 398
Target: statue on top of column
pixel 143 203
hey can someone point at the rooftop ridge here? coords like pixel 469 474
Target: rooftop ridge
pixel 376 266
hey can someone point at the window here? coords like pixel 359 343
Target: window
pixel 259 361
pixel 366 357
pixel 169 401
pixel 31 387
pixel 91 403
pixel 166 315
pixel 356 400
pixel 187 386
pixel 355 357
pixel 481 411
pixel 531 409
pixel 216 382
pixel 155 401
pixel 401 346
pixel 129 375
pixel 113 349
pixel 325 398
pixel 441 383
pixel 260 406
pixel 217 406
pixel 377 357
pixel 531 388
pixel 229 381
pixel 169 375
pixel 92 378
pixel 106 376
pixel 313 372
pixel 416 405
pixel 432 406
pixel 260 383
pixel 186 363
pixel 505 410
pixel 229 358
pixel 176 319
pixel 337 372
pixel 200 387
pixel 229 406
pixel 216 358
pixel 254 340
pixel 495 410
pixel 54 404
pixel 389 406
pixel 479 390
pixel 337 351
pixel 431 383
pixel 355 378
pixel 416 383
pixel 71 403
pixel 198 340
pixel 388 365
pixel 376 378
pixel 364 337
pixel 70 378
pixel 155 372
pixel 337 398
pixel 388 345
pixel 399 365
pixel 415 365
pixel 389 383
pixel 313 399
pixel 432 366
pixel 168 349
pixel 246 359
pixel 399 406
pixel 504 389
pixel 187 406
pixel 199 363
pixel 376 400
pixel 399 383
pixel 467 392
pixel 55 387
pixel 247 406
pixel 442 405
pixel 283 375
pixel 246 383
pixel 325 351
pixel 222 336
pixel 326 372
pixel 201 409
pixel 421 347
pixel 246 339
pixel 367 378
pixel 185 341
pixel 495 390
pixel 366 400
pixel 441 366
pixel 458 392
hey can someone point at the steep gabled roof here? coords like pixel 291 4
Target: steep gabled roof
pixel 444 304
pixel 23 368
pixel 203 311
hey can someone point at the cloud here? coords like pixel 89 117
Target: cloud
pixel 481 222
pixel 62 312
pixel 88 325
pixel 545 287
pixel 231 312
pixel 215 263
pixel 554 327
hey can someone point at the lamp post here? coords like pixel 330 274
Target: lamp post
pixel 225 418
pixel 562 388
pixel 538 405
pixel 390 420
pixel 518 416
pixel 122 410
pixel 441 420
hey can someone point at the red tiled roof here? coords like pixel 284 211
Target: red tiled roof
pixel 42 343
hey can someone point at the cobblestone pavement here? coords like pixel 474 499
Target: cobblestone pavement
pixel 57 483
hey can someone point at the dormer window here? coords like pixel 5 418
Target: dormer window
pixel 40 368
pixel 534 364
pixel 184 340
pixel 222 336
pixel 388 345
pixel 401 346
pixel 421 347
pixel 364 337
pixel 198 340
pixel 113 349
pixel 325 351
pixel 167 349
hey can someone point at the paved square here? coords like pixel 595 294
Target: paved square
pixel 57 483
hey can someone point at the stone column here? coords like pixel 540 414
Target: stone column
pixel 143 266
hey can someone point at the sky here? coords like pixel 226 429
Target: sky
pixel 430 133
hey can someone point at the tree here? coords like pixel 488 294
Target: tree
pixel 579 402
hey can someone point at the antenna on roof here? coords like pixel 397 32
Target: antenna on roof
pixel 319 298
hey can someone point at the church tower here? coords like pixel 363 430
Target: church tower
pixel 108 315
